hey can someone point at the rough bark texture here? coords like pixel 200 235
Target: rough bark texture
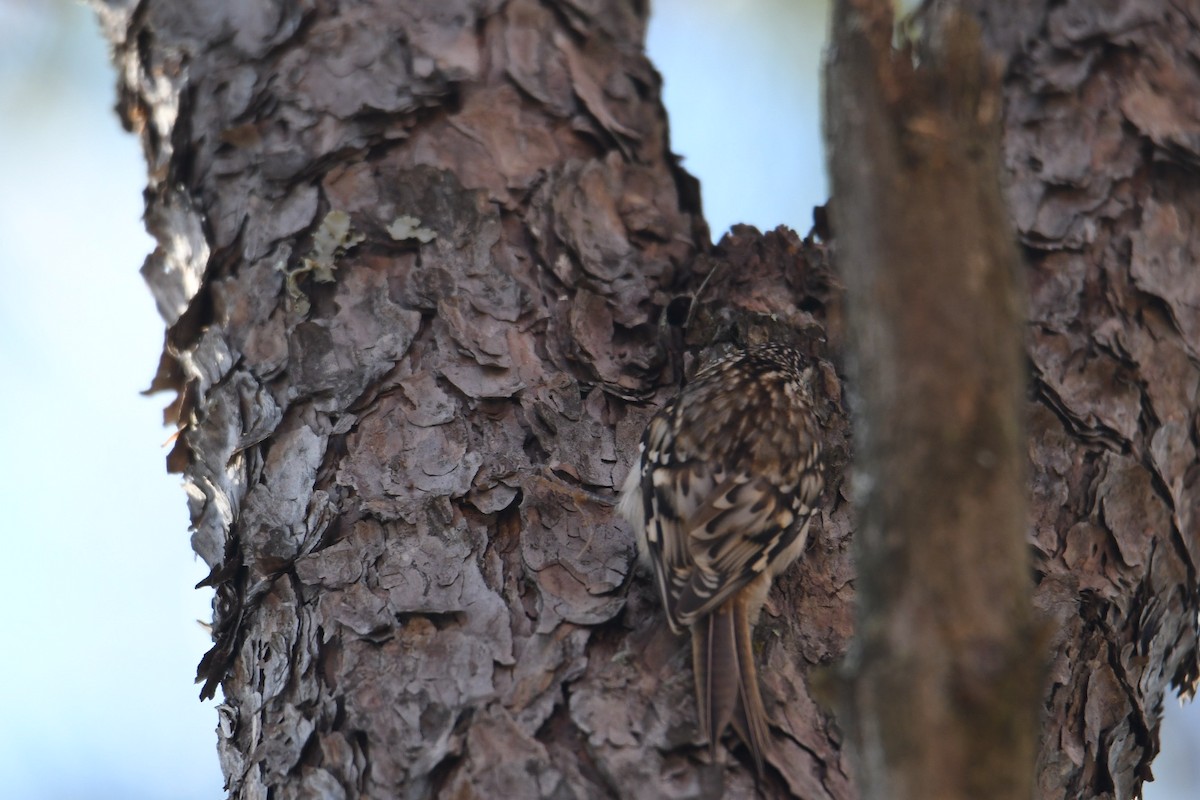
pixel 413 258
pixel 1101 148
pixel 942 686
pixel 401 423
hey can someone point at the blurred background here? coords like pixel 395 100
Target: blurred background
pixel 99 632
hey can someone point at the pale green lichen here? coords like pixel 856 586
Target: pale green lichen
pixel 332 239
pixel 405 227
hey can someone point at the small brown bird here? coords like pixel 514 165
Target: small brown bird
pixel 720 497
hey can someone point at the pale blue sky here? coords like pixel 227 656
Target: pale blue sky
pixel 99 633
pixel 100 638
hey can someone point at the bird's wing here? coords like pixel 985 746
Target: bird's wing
pixel 731 538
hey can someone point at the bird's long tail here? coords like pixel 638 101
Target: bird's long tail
pixel 727 680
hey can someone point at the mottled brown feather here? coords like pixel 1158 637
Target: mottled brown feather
pixel 728 476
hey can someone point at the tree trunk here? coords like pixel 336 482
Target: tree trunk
pixel 943 686
pixel 1100 150
pixel 426 267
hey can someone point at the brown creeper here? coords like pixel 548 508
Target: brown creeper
pixel 720 498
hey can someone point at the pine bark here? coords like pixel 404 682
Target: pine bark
pixel 425 269
pixel 1100 154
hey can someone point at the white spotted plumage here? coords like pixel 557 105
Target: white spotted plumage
pixel 720 497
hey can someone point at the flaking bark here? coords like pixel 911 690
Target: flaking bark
pixel 401 436
pixel 1099 187
pixel 402 488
